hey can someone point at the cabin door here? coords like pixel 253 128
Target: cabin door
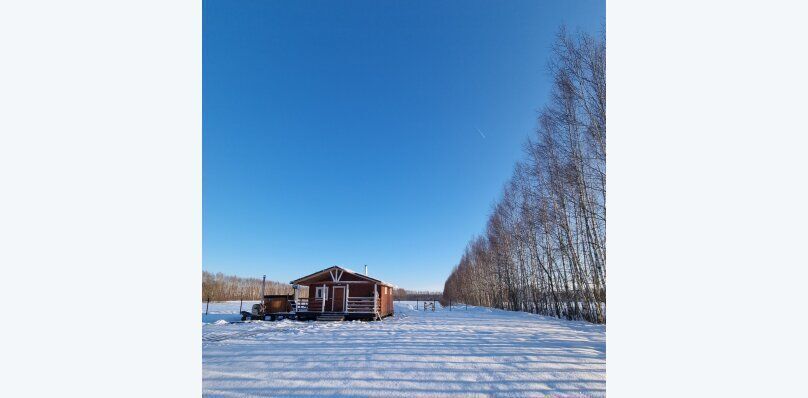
pixel 338 303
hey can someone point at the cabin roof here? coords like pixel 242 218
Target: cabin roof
pixel 335 267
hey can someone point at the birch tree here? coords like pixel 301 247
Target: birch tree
pixel 544 246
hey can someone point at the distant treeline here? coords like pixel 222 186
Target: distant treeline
pixel 544 247
pixel 220 287
pixel 413 295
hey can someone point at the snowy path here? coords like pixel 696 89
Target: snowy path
pixel 462 353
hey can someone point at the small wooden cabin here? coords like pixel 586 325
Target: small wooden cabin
pixel 337 293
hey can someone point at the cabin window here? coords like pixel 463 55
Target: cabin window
pixel 320 292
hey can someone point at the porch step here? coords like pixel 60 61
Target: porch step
pixel 330 318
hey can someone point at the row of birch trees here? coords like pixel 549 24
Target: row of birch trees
pixel 544 246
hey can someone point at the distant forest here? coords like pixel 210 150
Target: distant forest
pixel 544 246
pixel 400 294
pixel 220 287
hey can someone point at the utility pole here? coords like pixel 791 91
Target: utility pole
pixel 263 281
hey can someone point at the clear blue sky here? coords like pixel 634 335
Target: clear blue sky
pixel 366 132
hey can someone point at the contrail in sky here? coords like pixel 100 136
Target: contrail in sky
pixel 481 133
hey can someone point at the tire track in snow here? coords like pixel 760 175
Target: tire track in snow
pixel 227 336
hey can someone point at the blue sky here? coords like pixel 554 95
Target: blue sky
pixel 366 132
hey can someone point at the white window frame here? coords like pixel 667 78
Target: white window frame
pixel 321 292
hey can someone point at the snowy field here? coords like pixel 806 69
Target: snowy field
pixel 477 352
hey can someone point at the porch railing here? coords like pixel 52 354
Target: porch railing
pixel 307 304
pixel 355 305
pixel 363 304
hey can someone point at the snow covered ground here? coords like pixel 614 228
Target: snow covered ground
pixel 227 311
pixel 477 352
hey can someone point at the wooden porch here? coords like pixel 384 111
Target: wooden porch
pixel 354 307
